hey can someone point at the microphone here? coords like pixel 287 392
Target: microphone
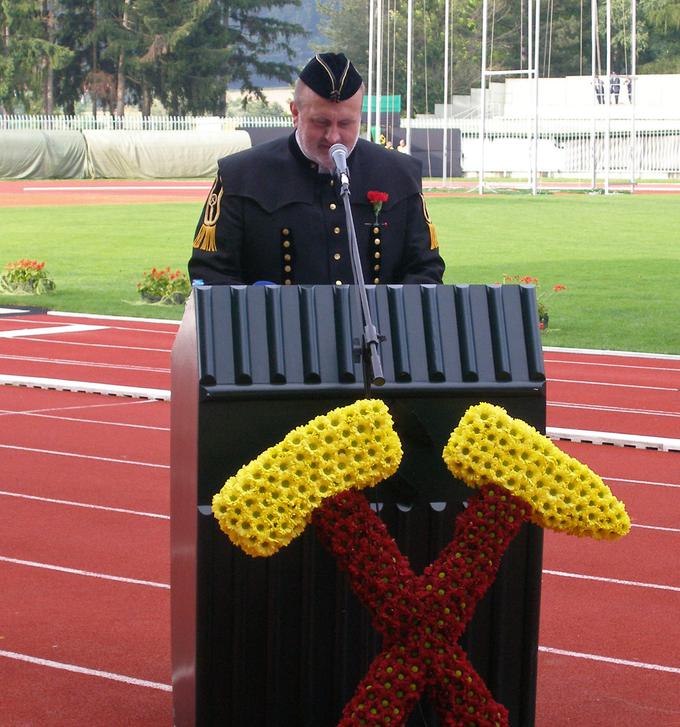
pixel 338 153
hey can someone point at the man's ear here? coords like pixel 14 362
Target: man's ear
pixel 296 113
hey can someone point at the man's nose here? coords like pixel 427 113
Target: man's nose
pixel 333 134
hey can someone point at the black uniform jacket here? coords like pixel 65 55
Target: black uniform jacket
pixel 271 216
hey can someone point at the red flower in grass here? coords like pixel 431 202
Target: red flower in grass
pixel 542 297
pixel 164 286
pixel 25 276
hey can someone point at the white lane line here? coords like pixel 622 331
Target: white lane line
pixel 83 407
pixel 637 441
pixel 86 505
pixel 85 387
pixel 78 572
pixel 14 311
pixel 604 352
pixel 614 409
pixel 640 482
pixel 615 581
pixel 656 527
pixel 611 365
pixel 126 511
pixel 556 433
pixel 127 319
pixel 618 386
pixel 118 187
pixel 81 420
pixel 84 456
pixel 176 323
pixel 98 345
pixel 610 660
pixel 50 330
pixel 127 329
pixel 88 364
pixel 84 670
pixel 101 317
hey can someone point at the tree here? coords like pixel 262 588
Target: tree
pixel 565 40
pixel 30 54
pixel 663 14
pixel 183 52
pixel 228 44
pixel 341 20
pixel 75 22
pixel 662 52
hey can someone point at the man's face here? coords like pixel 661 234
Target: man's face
pixel 321 123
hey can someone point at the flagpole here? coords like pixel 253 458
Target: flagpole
pixel 633 92
pixel 482 97
pixel 369 111
pixel 608 99
pixel 596 90
pixel 378 72
pixel 446 93
pixel 409 74
pixel 534 161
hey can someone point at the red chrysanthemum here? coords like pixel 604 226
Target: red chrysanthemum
pixel 421 617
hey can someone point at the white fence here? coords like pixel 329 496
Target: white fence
pixel 639 147
pixel 106 122
pixel 569 147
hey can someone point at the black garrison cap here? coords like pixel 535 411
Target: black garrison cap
pixel 332 76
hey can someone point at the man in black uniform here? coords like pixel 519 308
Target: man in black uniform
pixel 274 213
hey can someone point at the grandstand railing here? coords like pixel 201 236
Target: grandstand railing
pixel 512 126
pixel 639 146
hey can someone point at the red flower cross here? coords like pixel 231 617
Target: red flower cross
pixel 421 617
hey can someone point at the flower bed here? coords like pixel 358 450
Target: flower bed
pixel 542 296
pixel 26 277
pixel 164 286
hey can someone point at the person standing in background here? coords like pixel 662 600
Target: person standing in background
pixel 615 87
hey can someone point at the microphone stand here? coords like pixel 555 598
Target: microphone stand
pixel 370 356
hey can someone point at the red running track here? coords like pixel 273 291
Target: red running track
pixel 22 193
pixel 26 193
pixel 84 536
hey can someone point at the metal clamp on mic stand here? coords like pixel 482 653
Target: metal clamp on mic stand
pixel 370 355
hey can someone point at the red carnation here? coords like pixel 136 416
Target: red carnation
pixel 375 196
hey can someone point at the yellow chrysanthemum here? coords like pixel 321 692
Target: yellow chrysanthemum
pixel 490 447
pixel 269 501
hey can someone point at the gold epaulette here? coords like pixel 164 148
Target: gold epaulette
pixel 434 242
pixel 206 237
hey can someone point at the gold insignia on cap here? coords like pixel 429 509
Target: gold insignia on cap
pixel 434 242
pixel 336 90
pixel 205 238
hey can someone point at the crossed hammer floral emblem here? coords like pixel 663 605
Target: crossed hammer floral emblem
pixel 314 475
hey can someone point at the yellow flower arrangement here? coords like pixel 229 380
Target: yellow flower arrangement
pixel 307 476
pixel 488 447
pixel 269 501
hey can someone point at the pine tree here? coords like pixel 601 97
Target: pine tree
pixel 30 54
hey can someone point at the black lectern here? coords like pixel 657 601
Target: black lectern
pixel 282 641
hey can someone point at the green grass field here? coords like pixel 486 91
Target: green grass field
pixel 618 255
